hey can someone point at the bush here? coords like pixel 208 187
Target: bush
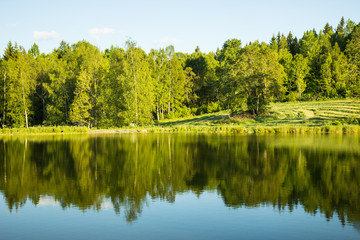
pixel 202 110
pixel 292 97
pixel 214 107
pixel 182 112
pixel 301 115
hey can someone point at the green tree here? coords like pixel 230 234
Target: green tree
pixel 81 107
pixel 137 87
pixel 58 92
pixel 299 71
pixel 257 78
pixel 112 88
pixel 41 65
pixel 206 83
pixel 93 67
pixel 158 64
pixel 310 48
pixel 341 72
pixel 20 81
pixel 228 58
pixel 353 53
pixel 339 36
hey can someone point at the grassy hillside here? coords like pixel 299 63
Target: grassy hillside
pixel 319 116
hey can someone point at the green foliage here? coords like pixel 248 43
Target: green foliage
pixel 255 79
pixel 299 71
pixel 211 108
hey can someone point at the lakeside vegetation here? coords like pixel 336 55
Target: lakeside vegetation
pixel 80 86
pixel 331 116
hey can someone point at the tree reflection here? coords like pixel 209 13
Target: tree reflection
pixel 319 172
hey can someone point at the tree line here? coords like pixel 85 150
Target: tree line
pixel 80 85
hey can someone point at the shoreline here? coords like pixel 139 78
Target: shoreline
pixel 232 129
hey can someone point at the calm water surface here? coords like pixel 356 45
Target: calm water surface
pixel 180 186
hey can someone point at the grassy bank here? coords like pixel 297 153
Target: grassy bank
pixel 43 130
pixel 335 116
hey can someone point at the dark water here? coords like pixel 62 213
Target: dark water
pixel 178 186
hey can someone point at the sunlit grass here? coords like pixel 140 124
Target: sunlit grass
pixel 43 130
pixel 318 117
pixel 289 117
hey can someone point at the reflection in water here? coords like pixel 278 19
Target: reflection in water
pixel 322 173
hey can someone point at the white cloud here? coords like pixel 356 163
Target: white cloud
pixel 45 35
pixel 165 41
pixel 96 32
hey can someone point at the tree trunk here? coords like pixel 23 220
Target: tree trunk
pixel 136 100
pixel 66 117
pixel 43 100
pixel 4 108
pixel 169 102
pixel 170 83
pixel 157 112
pixel 24 103
pixel 257 105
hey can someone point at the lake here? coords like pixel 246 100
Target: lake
pixel 180 186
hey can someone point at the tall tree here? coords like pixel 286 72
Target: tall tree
pixel 339 36
pixel 310 48
pixel 257 78
pixel 58 92
pixel 93 67
pixel 112 88
pixel 353 53
pixel 158 64
pixel 21 86
pixel 206 84
pixel 41 66
pixel 299 71
pixel 81 107
pixel 341 72
pixel 228 58
pixel 137 87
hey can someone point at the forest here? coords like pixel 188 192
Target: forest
pixel 79 85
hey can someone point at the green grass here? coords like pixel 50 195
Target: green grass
pixel 289 117
pixel 333 116
pixel 43 130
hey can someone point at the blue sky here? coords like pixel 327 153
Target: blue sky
pixel 154 24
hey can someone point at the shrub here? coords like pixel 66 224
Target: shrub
pixel 301 115
pixel 214 107
pixel 202 110
pixel 292 97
